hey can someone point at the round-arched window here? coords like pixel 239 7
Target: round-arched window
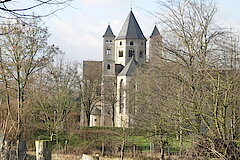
pixel 131 43
pixel 108 66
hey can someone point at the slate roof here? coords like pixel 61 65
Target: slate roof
pixel 155 32
pixel 131 29
pixel 130 68
pixel 96 111
pixel 109 32
pixel 118 68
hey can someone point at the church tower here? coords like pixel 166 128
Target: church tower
pixel 155 46
pixel 108 77
pixel 130 42
pixel 109 53
pixel 130 47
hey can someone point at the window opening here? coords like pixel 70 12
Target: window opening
pixel 121 104
pixel 108 52
pixel 108 66
pixel 120 54
pixel 131 53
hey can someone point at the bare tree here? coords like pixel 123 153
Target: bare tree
pixel 194 88
pixel 57 94
pixel 25 9
pixel 23 52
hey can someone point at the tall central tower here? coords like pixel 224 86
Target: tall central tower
pixel 130 42
pixel 121 57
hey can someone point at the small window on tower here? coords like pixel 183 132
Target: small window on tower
pixel 131 53
pixel 131 43
pixel 120 43
pixel 108 66
pixel 110 41
pixel 108 52
pixel 141 54
pixel 120 54
pixel 141 43
pixel 106 41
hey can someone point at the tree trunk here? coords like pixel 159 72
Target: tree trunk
pixel 162 151
pixel 103 148
pixel 113 115
pixel 122 149
pixel 88 118
pixel 4 150
pixel 21 150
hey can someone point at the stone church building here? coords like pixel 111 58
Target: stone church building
pixel 122 55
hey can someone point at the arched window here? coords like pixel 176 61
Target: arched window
pixel 121 98
pixel 131 43
pixel 108 51
pixel 108 66
pixel 141 54
pixel 120 54
pixel 120 43
pixel 131 53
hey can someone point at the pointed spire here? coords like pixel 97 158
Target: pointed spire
pixel 109 32
pixel 131 29
pixel 155 32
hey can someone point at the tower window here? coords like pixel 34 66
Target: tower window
pixel 120 43
pixel 120 54
pixel 141 54
pixel 141 43
pixel 108 41
pixel 131 53
pixel 108 52
pixel 108 66
pixel 121 99
pixel 131 43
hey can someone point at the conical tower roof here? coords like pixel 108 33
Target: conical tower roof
pixel 131 29
pixel 155 32
pixel 109 32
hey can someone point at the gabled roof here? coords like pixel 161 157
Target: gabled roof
pixel 96 111
pixel 109 32
pixel 118 68
pixel 131 29
pixel 130 68
pixel 155 32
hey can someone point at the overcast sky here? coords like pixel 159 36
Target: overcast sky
pixel 78 30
